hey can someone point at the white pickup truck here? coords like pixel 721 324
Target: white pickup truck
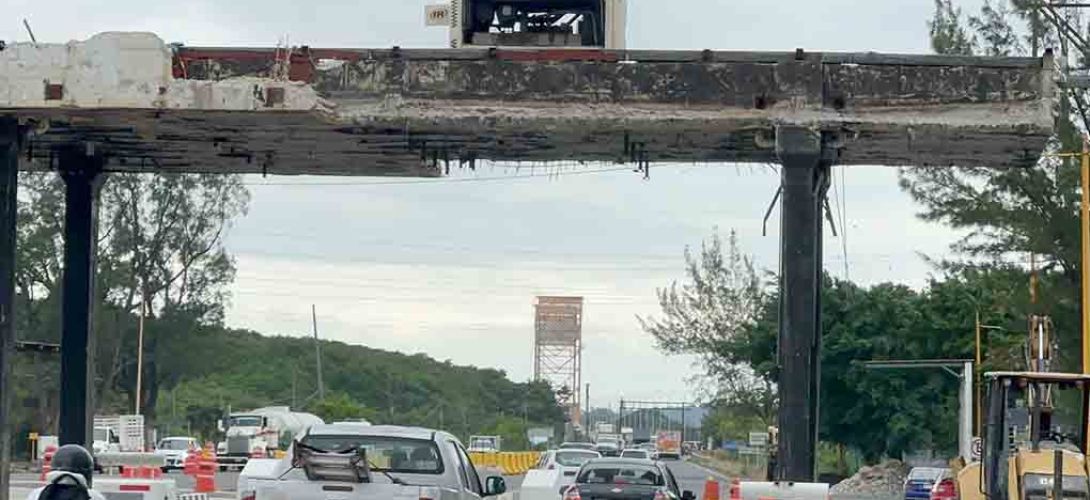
pixel 346 461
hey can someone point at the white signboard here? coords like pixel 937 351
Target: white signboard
pixel 437 15
pixel 758 439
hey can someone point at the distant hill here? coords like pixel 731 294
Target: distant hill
pixel 246 370
pixel 195 374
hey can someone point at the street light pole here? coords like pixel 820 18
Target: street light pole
pixel 1085 264
pixel 978 401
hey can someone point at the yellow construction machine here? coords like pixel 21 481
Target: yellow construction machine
pixel 1035 438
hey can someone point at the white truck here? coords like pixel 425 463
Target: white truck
pixel 118 434
pixel 260 432
pixel 485 444
pixel 363 462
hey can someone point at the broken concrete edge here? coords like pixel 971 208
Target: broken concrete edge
pixel 132 70
pixel 121 87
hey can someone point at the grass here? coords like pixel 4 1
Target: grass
pixel 751 468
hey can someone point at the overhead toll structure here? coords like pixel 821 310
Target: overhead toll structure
pixel 139 105
pixel 558 349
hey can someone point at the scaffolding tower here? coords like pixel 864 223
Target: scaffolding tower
pixel 558 336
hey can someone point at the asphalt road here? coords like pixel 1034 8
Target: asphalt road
pixel 693 477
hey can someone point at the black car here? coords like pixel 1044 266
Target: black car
pixel 608 449
pixel 624 479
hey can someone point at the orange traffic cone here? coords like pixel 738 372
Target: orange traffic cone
pixel 711 489
pixel 47 461
pixel 189 467
pixel 206 471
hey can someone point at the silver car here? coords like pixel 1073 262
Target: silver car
pixel 369 462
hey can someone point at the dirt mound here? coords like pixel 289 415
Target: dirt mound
pixel 883 479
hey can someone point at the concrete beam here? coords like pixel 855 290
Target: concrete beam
pixel 409 112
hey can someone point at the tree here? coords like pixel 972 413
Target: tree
pixel 877 413
pixel 947 34
pixel 1014 213
pixel 712 315
pixel 340 407
pixel 160 244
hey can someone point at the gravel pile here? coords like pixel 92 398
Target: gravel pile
pixel 884 479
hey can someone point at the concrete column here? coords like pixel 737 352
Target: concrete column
pixel 805 176
pixel 9 171
pixel 81 170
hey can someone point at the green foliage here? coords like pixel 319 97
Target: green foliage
pixel 712 315
pixel 877 413
pixel 512 431
pixel 340 407
pixel 947 34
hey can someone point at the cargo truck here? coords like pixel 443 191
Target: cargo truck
pixel 261 432
pixel 668 444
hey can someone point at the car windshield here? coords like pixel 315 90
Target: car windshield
pixel 621 474
pixel 573 458
pixel 174 444
pixel 634 454
pixel 390 454
pixel 246 421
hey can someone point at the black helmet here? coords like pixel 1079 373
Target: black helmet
pixel 75 459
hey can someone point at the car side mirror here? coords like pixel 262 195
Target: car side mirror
pixel 494 485
pixel 687 495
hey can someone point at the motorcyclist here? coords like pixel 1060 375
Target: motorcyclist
pixel 70 477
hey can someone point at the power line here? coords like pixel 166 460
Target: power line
pixel 447 180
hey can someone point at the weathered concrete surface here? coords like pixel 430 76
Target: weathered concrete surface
pixel 409 112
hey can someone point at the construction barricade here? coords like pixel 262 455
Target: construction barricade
pixel 47 461
pixel 138 476
pixel 206 470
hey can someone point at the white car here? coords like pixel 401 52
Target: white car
pixel 568 461
pixel 637 453
pixel 174 449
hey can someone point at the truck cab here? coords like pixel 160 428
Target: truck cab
pixel 1035 438
pixel 105 440
pixel 538 23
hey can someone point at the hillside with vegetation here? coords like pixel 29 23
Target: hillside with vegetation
pixel 161 255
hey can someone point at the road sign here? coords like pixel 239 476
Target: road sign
pixel 437 15
pixel 976 449
pixel 758 439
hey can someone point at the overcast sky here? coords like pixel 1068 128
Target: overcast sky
pixel 450 269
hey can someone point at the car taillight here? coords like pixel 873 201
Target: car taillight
pixel 661 495
pixel 249 495
pixel 572 494
pixel 945 490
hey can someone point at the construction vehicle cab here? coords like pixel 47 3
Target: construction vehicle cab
pixel 538 23
pixel 1034 445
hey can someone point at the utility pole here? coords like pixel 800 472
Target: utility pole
pixel 586 415
pixel 1085 220
pixel 140 354
pixel 317 349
